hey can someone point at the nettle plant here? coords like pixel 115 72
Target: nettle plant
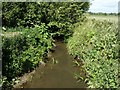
pixel 39 41
pixel 97 47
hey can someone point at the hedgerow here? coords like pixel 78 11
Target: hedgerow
pixel 23 52
pixel 95 43
pixel 59 16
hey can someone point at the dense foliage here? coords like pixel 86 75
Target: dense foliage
pixel 95 43
pixel 23 49
pixel 23 52
pixel 60 17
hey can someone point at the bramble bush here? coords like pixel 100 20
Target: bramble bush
pixel 23 52
pixel 95 43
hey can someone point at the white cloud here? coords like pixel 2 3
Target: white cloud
pixel 104 6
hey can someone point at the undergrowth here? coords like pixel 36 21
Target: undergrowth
pixel 95 43
pixel 18 57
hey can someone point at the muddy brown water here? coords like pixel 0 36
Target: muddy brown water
pixel 59 75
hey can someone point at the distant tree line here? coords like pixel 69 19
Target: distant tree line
pixel 101 13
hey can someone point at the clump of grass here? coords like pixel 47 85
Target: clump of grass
pixel 78 77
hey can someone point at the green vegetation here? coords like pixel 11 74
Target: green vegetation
pixel 29 29
pixel 60 17
pixel 95 43
pixel 105 14
pixel 23 52
pixel 110 18
pixel 28 32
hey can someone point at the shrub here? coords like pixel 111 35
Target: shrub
pixel 23 52
pixel 59 16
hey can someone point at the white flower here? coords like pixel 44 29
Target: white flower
pixel 3 28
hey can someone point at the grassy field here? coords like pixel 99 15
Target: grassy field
pixel 111 18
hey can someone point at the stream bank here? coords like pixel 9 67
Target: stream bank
pixel 58 72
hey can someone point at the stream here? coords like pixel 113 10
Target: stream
pixel 58 75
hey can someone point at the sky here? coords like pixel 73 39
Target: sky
pixel 105 6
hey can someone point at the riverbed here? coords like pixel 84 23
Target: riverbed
pixel 58 72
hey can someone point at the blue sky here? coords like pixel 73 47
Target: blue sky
pixel 106 6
